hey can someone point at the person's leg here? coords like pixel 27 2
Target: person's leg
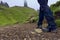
pixel 50 19
pixel 41 18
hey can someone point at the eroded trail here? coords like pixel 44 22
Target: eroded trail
pixel 23 32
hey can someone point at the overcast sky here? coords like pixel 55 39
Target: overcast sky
pixel 31 3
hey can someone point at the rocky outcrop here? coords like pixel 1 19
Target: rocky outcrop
pixel 4 4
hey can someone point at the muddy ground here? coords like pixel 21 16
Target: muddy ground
pixel 23 32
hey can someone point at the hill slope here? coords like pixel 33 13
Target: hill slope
pixel 15 14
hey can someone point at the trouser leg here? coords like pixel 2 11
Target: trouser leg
pixel 41 17
pixel 50 19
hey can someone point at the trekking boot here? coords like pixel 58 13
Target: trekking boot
pixel 49 30
pixel 54 31
pixel 39 27
pixel 45 30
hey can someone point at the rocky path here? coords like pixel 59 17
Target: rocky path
pixel 24 32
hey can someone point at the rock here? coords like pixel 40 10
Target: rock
pixel 38 30
pixel 33 32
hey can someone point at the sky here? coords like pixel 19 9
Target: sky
pixel 31 3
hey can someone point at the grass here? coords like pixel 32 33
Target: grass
pixel 55 9
pixel 15 14
pixel 58 22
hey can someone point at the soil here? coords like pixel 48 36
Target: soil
pixel 23 32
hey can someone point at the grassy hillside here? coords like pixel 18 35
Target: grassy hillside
pixel 15 14
pixel 54 9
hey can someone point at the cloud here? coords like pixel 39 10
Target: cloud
pixel 31 3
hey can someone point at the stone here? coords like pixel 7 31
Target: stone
pixel 38 30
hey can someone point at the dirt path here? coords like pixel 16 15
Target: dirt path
pixel 23 32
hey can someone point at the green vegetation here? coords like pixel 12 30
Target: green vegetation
pixel 58 23
pixel 15 14
pixel 55 7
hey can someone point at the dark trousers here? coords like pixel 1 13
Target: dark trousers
pixel 48 14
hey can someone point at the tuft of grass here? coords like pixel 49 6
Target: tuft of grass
pixel 58 22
